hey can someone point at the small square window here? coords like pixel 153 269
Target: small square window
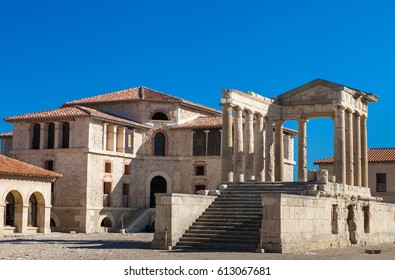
pixel 199 170
pixel 128 169
pixel 48 164
pixel 107 167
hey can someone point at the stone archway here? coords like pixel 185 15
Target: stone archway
pixel 13 212
pixel 38 214
pixel 169 185
pixel 158 185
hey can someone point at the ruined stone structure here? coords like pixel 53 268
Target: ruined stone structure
pixel 117 150
pixel 319 211
pixel 25 193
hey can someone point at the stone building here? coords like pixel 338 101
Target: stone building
pixel 381 166
pixel 117 150
pixel 25 197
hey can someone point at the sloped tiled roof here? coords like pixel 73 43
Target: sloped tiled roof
pixel 202 123
pixel 374 155
pixel 5 134
pixel 10 166
pixel 69 113
pixel 137 94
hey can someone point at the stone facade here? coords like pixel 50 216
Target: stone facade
pixel 116 151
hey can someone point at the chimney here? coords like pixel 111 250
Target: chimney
pixel 141 92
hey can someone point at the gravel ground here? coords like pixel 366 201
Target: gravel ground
pixel 136 246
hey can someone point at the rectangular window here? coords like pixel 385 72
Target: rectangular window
pixel 36 136
pixel 106 194
pixel 128 169
pixel 48 164
pixel 200 170
pixel 199 142
pixel 51 136
pixel 125 194
pixel 66 136
pixel 214 143
pixel 107 188
pixel 107 167
pixel 381 182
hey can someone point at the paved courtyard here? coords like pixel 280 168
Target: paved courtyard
pixel 111 246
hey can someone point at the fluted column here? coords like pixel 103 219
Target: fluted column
pixel 259 148
pixel 357 150
pixel 269 151
pixel 227 144
pixel 302 150
pixel 279 151
pixel 340 145
pixel 250 156
pixel 349 149
pixel 364 152
pixel 239 146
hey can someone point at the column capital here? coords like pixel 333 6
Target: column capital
pixel 339 107
pixel 279 122
pixel 226 105
pixel 349 111
pixel 237 108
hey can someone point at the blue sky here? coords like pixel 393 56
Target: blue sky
pixel 55 51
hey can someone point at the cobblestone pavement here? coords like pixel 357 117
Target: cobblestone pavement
pixel 136 246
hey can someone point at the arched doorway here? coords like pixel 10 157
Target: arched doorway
pixel 32 218
pixel 10 210
pixel 106 223
pixel 158 185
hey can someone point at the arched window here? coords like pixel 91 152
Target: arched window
pixel 159 144
pixel 160 116
pixel 10 210
pixel 32 211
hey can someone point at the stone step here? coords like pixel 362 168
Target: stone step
pixel 222 235
pixel 220 240
pixel 225 231
pixel 227 227
pixel 234 212
pixel 214 246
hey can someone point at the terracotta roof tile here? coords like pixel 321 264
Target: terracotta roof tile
pixel 69 113
pixel 202 123
pixel 137 94
pixel 10 166
pixel 374 155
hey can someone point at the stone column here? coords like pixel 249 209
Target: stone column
pixel 43 136
pixel 239 146
pixel 105 128
pixel 269 151
pixel 227 144
pixel 112 138
pixel 357 150
pixel 121 139
pixel 349 149
pixel 250 155
pixel 206 132
pixel 58 135
pixel 302 150
pixel 279 150
pixel 364 152
pixel 71 135
pixel 340 145
pixel 2 217
pixel 259 148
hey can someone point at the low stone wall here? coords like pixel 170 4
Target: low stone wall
pixel 296 223
pixel 174 214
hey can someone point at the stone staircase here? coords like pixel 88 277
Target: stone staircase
pixel 129 219
pixel 233 221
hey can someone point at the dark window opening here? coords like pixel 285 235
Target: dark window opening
pixel 107 167
pixel 200 170
pixel 199 143
pixel 48 164
pixel 106 194
pixel 128 169
pixel 214 143
pixel 36 136
pixel 159 145
pixel 381 182
pixel 160 116
pixel 107 188
pixel 66 136
pixel 51 136
pixel 125 189
pixel 125 195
